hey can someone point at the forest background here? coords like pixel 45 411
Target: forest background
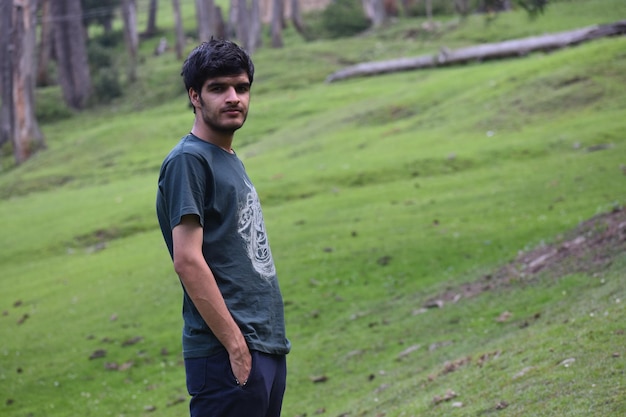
pixel 449 241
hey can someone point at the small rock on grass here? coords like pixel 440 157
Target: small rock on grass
pixel 99 353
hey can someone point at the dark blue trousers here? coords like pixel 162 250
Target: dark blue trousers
pixel 215 393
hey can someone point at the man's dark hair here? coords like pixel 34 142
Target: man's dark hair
pixel 215 58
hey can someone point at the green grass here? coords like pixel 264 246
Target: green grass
pixel 378 193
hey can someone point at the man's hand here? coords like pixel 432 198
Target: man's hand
pixel 241 364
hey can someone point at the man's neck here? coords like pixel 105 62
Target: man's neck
pixel 223 140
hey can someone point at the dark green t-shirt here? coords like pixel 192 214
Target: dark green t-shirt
pixel 202 179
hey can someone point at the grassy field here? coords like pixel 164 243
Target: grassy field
pixel 380 194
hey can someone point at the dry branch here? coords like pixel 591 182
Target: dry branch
pixel 512 48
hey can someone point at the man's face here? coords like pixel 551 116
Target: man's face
pixel 223 102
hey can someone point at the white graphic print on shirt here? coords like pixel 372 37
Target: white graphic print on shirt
pixel 252 231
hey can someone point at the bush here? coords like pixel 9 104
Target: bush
pixel 50 106
pixel 344 18
pixel 99 56
pixel 105 77
pixel 110 39
pixel 106 84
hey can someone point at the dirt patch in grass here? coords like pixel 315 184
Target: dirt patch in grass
pixel 590 249
pixel 384 115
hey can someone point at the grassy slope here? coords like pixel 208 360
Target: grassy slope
pixel 443 173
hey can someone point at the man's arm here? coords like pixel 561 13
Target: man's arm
pixel 198 280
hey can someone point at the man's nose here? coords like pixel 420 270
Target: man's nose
pixel 231 95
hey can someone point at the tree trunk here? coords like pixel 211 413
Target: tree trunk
pixel 6 72
pixel 131 36
pixel 512 48
pixel 180 33
pixel 368 9
pixel 462 7
pixel 71 52
pixel 242 26
pixel 151 27
pixel 45 45
pixel 204 15
pixel 375 11
pixel 254 35
pixel 210 21
pixel 296 17
pixel 277 23
pixel 232 23
pixel 219 23
pixel 248 26
pixel 27 138
pixel 380 14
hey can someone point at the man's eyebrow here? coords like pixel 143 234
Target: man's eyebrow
pixel 225 83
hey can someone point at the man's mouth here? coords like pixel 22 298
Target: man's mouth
pixel 233 110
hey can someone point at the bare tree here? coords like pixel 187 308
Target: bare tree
pixel 71 52
pixel 241 17
pixel 28 138
pixel 204 16
pixel 45 45
pixel 375 11
pixel 151 26
pixel 462 7
pixel 254 35
pixel 233 19
pixel 246 18
pixel 129 15
pixel 6 71
pixel 180 34
pixel 19 22
pixel 219 25
pixel 210 20
pixel 296 17
pixel 278 12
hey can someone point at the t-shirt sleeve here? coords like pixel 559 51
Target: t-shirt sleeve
pixel 184 188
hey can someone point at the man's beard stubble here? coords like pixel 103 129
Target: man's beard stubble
pixel 215 125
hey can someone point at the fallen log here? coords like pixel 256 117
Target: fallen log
pixel 484 52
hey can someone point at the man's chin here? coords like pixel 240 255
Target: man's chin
pixel 228 128
pixel 225 125
pixel 233 125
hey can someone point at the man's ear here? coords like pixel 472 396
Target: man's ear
pixel 194 97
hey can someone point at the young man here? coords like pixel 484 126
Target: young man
pixel 234 341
